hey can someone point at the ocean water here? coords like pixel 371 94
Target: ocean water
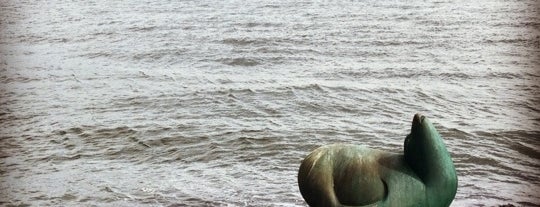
pixel 215 103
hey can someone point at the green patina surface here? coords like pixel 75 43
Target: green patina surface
pixel 351 175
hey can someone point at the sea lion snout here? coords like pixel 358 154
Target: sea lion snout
pixel 418 118
pixel 417 121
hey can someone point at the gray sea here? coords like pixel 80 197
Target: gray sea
pixel 215 103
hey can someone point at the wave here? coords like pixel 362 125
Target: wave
pixel 240 61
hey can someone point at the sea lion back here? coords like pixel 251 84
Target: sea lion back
pixel 336 175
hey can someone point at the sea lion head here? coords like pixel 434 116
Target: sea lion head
pixel 427 156
pixel 422 145
pixel 419 131
pixel 421 124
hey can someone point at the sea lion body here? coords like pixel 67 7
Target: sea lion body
pixel 352 175
pixel 347 171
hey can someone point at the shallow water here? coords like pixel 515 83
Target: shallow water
pixel 203 103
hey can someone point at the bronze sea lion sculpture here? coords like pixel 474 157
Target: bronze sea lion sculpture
pixel 351 175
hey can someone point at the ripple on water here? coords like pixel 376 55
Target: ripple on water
pixel 204 103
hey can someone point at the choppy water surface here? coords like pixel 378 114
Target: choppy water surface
pixel 215 103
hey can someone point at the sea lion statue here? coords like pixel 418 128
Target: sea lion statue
pixel 351 175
